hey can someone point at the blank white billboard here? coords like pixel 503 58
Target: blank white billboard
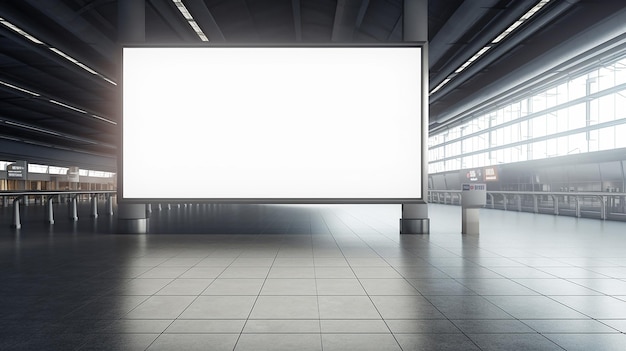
pixel 276 124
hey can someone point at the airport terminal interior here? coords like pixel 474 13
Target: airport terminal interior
pixel 526 103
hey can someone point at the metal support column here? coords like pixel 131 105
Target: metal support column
pixel 415 29
pixel 131 30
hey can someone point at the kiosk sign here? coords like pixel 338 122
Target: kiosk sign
pixel 474 195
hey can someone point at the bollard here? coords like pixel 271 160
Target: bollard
pixel 16 214
pixel 73 209
pixel 94 206
pixel 50 212
pixel 109 205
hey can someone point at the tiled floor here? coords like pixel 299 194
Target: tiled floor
pixel 312 278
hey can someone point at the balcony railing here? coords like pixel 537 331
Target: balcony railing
pixel 601 205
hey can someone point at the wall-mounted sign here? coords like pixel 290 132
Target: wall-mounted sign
pixel 473 175
pixel 17 170
pixel 491 174
pixel 73 174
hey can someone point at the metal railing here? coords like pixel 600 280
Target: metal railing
pixel 47 198
pixel 602 205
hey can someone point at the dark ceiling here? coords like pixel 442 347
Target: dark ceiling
pixel 36 129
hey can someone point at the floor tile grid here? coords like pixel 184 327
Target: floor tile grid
pixel 395 335
pixel 354 273
pixel 172 321
pixel 525 322
pixel 467 335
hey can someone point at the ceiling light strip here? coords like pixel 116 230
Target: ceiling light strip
pixel 12 86
pixel 67 106
pixel 20 89
pixel 21 32
pixel 192 22
pixel 498 39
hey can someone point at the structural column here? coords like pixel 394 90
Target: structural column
pixel 131 30
pixel 415 29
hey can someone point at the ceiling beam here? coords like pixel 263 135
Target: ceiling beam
pixel 17 150
pixel 349 15
pixel 72 22
pixel 168 12
pixel 205 19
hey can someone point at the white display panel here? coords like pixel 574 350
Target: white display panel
pixel 272 123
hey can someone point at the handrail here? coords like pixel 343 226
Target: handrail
pixel 559 201
pixel 56 192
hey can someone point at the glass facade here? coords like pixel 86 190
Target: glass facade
pixel 580 114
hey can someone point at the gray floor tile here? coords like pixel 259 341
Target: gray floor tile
pixel 293 262
pixel 618 324
pixel 285 307
pixel 234 287
pixel 160 307
pixel 354 326
pixel 192 342
pixel 202 272
pixel 443 342
pixel 598 307
pixel 604 286
pixel 422 326
pixel 219 307
pixel 362 342
pixel 106 342
pixel 291 272
pixel 185 287
pixel 440 287
pixel 141 286
pixel 583 326
pixel 334 272
pixel 245 272
pixel 420 272
pixel 376 272
pixel 282 326
pixel 279 342
pixel 137 326
pixel 492 326
pixel 330 262
pixel 584 342
pixel 164 272
pixel 526 342
pixel 522 272
pixel 339 287
pixel 253 262
pixel 534 307
pixel 199 326
pixel 388 287
pixel 555 287
pixel 493 286
pixel 347 307
pixel 289 287
pixel 405 307
pixel 467 307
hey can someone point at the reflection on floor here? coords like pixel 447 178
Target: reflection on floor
pixel 312 278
